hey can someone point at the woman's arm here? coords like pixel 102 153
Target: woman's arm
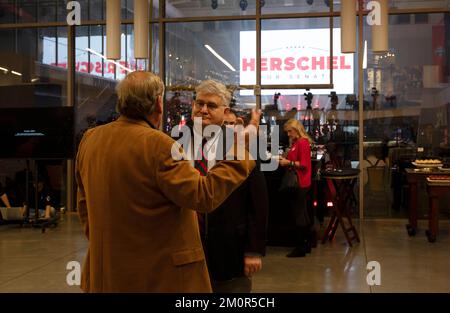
pixel 298 163
pixel 303 155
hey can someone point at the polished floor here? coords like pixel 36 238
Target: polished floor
pixel 31 261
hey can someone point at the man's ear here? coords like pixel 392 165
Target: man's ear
pixel 159 104
pixel 227 110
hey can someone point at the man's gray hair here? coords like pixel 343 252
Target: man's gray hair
pixel 138 93
pixel 214 87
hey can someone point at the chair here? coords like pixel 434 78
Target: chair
pixel 375 175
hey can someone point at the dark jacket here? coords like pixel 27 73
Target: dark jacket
pixel 237 227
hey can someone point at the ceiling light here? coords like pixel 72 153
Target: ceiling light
pixel 114 62
pixel 365 55
pixel 243 4
pixel 220 58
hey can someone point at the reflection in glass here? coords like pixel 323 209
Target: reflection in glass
pixel 28 11
pixel 300 6
pixel 209 8
pixel 198 51
pixel 7 7
pixel 406 111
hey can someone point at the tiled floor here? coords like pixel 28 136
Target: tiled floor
pixel 34 262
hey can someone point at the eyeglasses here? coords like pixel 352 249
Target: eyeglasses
pixel 211 106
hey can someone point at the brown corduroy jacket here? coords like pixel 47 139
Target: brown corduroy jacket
pixel 137 206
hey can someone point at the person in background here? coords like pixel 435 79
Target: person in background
pixel 237 232
pixel 299 159
pixel 9 198
pixel 4 197
pixel 46 201
pixel 234 235
pixel 137 203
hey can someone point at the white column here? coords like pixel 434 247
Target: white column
pixel 141 29
pixel 348 26
pixel 113 20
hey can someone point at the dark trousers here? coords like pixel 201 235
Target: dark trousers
pixel 301 217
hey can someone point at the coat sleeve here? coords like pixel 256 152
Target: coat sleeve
pixel 257 213
pixel 81 195
pixel 183 185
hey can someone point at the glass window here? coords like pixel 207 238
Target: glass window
pixel 62 10
pixel 62 47
pixel 7 11
pixel 41 52
pixel 155 48
pixel 27 42
pixel 127 9
pixel 8 39
pixel 82 54
pixel 198 51
pixel 417 4
pixel 34 92
pixel 95 80
pixel 176 8
pixel 97 9
pixel 91 48
pixel 406 111
pixel 27 11
pixel 155 8
pixel 297 6
pixel 47 10
pixel 47 42
pixel 96 44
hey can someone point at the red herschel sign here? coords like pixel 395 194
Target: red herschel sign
pixel 292 63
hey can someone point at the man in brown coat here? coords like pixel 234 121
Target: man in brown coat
pixel 136 203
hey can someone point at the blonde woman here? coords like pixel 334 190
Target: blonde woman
pixel 299 159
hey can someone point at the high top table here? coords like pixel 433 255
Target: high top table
pixel 341 185
pixel 414 177
pixel 435 190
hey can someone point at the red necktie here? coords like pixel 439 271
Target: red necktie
pixel 202 164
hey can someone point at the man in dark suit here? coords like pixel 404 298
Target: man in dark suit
pixel 234 236
pixel 237 232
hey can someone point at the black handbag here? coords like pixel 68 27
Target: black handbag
pixel 289 181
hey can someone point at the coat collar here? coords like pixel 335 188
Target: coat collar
pixel 142 122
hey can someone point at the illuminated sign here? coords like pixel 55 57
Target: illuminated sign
pixel 296 56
